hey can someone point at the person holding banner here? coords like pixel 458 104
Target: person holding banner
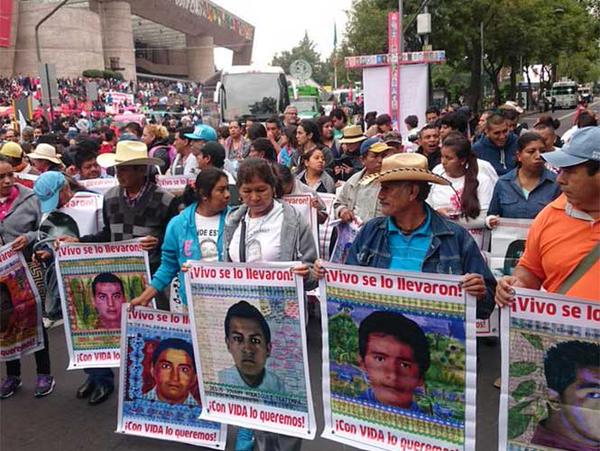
pixel 19 219
pixel 527 189
pixel 195 234
pixel 264 229
pixel 136 208
pixel 411 236
pixel 562 249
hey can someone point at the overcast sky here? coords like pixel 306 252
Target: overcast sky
pixel 280 25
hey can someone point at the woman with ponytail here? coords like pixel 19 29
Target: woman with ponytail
pixel 467 200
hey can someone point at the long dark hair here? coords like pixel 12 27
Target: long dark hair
pixel 259 168
pixel 469 201
pixel 311 127
pixel 205 183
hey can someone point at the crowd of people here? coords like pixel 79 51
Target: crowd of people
pixel 421 202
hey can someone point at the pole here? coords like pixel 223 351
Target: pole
pixel 39 53
pixel 400 13
pixel 481 56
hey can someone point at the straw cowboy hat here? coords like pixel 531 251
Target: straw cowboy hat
pixel 352 134
pixel 45 151
pixel 405 167
pixel 133 153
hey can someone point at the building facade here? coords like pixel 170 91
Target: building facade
pixel 173 38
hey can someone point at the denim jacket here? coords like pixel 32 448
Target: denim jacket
pixel 508 200
pixel 452 251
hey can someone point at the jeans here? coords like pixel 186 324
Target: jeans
pixel 101 376
pixel 42 360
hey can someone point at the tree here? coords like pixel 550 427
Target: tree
pixel 321 71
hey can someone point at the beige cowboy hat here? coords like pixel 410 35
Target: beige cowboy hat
pixel 45 151
pixel 352 134
pixel 131 153
pixel 405 167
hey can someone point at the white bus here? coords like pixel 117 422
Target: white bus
pixel 565 94
pixel 242 91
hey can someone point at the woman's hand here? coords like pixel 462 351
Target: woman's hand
pixel 317 270
pixel 143 299
pixel 346 215
pixel 20 243
pixel 474 285
pixel 301 270
pixel 492 221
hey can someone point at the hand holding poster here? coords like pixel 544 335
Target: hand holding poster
pixel 20 307
pixel 249 331
pixel 94 280
pixel 158 393
pixel 550 373
pixel 399 360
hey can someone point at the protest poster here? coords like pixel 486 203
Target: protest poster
pixel 346 234
pixel 175 184
pixel 86 210
pixel 248 327
pixel 20 307
pixel 303 204
pixel 508 245
pixel 158 393
pixel 550 373
pixel 101 185
pixel 94 280
pixel 489 327
pixel 399 360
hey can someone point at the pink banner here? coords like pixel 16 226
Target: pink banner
pixel 394 28
pixel 6 11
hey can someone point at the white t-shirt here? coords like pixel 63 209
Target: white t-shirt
pixel 208 236
pixel 443 196
pixel 189 166
pixel 263 237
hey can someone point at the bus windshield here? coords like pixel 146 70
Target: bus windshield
pixel 253 94
pixel 564 90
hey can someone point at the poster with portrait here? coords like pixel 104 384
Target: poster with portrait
pixel 158 390
pixel 100 185
pixel 508 245
pixel 399 359
pixel 346 234
pixel 303 204
pixel 248 327
pixel 550 394
pixel 20 307
pixel 94 280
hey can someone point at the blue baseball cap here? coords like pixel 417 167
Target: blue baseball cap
pixel 584 146
pixel 202 132
pixel 367 143
pixel 47 188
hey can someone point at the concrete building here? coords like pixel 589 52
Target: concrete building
pixel 159 37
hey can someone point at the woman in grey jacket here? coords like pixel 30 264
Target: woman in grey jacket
pixel 264 229
pixel 19 220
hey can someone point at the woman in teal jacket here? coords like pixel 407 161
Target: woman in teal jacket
pixel 195 234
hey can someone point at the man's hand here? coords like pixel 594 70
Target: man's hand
pixel 20 243
pixel 317 270
pixel 474 284
pixel 505 293
pixel 346 215
pixel 301 270
pixel 65 239
pixel 149 242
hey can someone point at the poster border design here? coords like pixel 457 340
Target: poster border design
pixel 470 355
pixel 311 427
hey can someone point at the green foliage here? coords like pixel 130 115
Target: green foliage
pixel 321 71
pixel 535 341
pixel 524 389
pixel 518 369
pixel 106 74
pixel 343 339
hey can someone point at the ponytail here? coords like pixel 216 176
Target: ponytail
pixel 469 201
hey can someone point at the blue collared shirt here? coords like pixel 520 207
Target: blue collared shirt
pixel 509 201
pixel 408 251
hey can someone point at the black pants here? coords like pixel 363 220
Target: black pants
pixel 42 360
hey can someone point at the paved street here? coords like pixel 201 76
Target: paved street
pixel 60 422
pixel 565 116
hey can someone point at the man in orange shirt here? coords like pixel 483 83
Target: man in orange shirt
pixel 563 246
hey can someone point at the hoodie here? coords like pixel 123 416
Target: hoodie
pixel 503 159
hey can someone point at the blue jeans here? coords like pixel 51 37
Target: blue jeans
pixel 101 376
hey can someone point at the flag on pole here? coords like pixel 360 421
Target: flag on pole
pixel 22 123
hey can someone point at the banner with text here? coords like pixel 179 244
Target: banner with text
pixel 303 203
pixel 94 280
pixel 326 229
pixel 158 393
pixel 550 373
pixel 399 360
pixel 508 245
pixel 20 307
pixel 250 340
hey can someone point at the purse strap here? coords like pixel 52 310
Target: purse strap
pixel 580 270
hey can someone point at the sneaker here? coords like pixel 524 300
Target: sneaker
pixel 44 386
pixel 244 440
pixel 9 386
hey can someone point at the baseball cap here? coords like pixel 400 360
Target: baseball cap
pixel 202 133
pixel 583 146
pixel 375 145
pixel 12 150
pixel 47 188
